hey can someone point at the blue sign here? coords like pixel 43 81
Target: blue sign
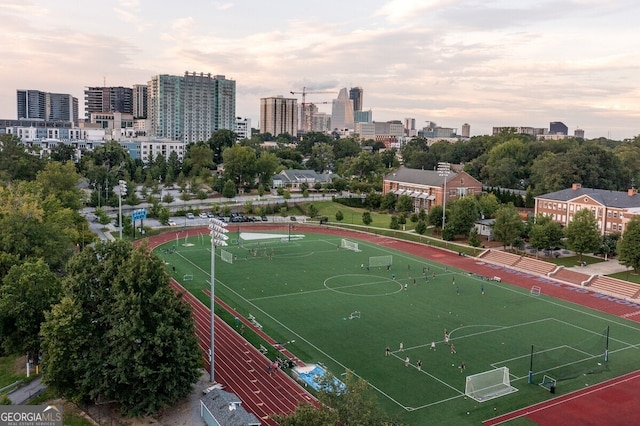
pixel 139 214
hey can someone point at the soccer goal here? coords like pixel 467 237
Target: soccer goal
pixel 349 245
pixel 535 290
pixel 548 383
pixel 226 256
pixel 380 261
pixel 187 277
pixel 489 385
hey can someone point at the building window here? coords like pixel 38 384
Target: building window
pixel 615 227
pixel 608 214
pixel 615 215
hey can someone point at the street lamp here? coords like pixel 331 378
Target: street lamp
pixel 217 230
pixel 123 190
pixel 443 170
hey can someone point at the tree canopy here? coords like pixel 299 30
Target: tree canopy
pixel 119 332
pixel 582 233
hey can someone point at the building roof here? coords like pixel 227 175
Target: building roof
pixel 617 199
pixel 301 175
pixel 226 409
pixel 418 176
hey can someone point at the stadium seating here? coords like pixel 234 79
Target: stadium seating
pixel 615 286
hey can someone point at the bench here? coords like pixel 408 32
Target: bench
pixel 253 321
pixel 263 350
pixel 498 279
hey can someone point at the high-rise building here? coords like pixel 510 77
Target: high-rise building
pixel 140 101
pixel 108 99
pixel 466 130
pixel 35 104
pixel 190 108
pixel 342 112
pixel 578 133
pixel 279 115
pixel 243 128
pixel 410 127
pixel 558 128
pixel 355 94
pixel 363 116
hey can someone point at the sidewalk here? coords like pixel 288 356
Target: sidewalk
pixel 27 392
pixel 600 268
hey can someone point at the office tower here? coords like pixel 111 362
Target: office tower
pixel 409 127
pixel 558 128
pixel 139 101
pixel 225 103
pixel 108 99
pixel 578 133
pixel 342 112
pixel 466 130
pixel 190 108
pixel 34 104
pixel 355 94
pixel 279 115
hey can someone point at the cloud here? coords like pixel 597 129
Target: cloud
pixel 223 6
pixel 398 11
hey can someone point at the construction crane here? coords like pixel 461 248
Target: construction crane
pixel 305 116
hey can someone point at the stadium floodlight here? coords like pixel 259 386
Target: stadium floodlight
pixel 443 171
pixel 217 230
pixel 122 191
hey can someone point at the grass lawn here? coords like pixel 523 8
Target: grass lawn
pixel 8 372
pixel 303 291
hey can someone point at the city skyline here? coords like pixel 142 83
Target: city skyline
pixel 488 64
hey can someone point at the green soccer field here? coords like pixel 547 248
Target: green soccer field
pixel 304 291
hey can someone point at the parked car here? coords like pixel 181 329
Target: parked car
pixel 172 223
pixel 190 216
pixel 292 219
pixel 264 218
pixel 202 215
pixel 210 215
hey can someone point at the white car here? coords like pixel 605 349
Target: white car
pixel 172 223
pixel 202 215
pixel 189 216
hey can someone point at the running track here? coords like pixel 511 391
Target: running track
pixel 615 402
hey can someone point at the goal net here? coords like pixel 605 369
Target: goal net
pixel 349 245
pixel 226 256
pixel 489 385
pixel 535 290
pixel 548 382
pixel 380 261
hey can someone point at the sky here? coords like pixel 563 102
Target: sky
pixel 483 62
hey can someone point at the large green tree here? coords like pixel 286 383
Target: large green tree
pixel 629 245
pixel 545 233
pixel 240 164
pixel 120 333
pixel 508 225
pixel 461 215
pixel 16 162
pixel 582 233
pixel 27 292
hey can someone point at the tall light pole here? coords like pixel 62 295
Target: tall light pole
pixel 123 190
pixel 217 230
pixel 443 170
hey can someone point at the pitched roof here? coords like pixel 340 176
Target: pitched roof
pixel 418 176
pixel 617 199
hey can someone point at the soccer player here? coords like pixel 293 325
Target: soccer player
pixel 462 366
pixel 387 351
pixel 401 347
pixel 453 349
pixel 482 288
pixel 406 362
pixel 458 291
pixel 433 345
pixel 446 338
pixel 419 365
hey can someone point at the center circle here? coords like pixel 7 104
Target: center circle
pixel 362 285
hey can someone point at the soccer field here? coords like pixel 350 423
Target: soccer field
pixel 305 290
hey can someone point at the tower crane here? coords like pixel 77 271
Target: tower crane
pixel 305 120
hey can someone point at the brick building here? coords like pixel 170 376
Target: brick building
pixel 612 209
pixel 426 187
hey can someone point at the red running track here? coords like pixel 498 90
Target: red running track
pixel 615 402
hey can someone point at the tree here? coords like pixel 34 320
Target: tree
pixel 508 225
pixel 474 238
pixel 629 245
pixel 461 215
pixel 229 190
pixel 120 333
pixel 366 218
pixel 421 227
pixel 27 292
pixel 434 217
pixel 339 216
pixel 321 158
pixel 394 223
pixel 582 233
pixel 354 404
pixel 388 202
pixel 266 166
pixel 220 140
pixel 545 233
pixel 15 162
pixel 404 204
pixel 239 164
pixel 312 211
